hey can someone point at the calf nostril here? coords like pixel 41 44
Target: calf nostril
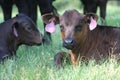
pixel 68 41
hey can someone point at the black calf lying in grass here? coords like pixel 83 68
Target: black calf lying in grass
pixel 15 32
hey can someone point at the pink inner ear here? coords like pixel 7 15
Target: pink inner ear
pixel 15 32
pixel 93 24
pixel 50 27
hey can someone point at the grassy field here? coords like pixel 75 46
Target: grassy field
pixel 36 63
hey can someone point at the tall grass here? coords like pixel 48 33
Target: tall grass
pixel 36 62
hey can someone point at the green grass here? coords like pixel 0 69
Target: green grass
pixel 36 63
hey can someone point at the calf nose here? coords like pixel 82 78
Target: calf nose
pixel 68 43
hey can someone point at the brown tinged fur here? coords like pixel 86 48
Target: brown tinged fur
pixel 84 43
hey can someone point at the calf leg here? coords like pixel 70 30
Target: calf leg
pixel 59 59
pixel 84 10
pixel 94 8
pixel 103 11
pixel 33 13
pixel 88 8
pixel 33 10
pixel 7 9
pixel 22 6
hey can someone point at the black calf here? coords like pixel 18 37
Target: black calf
pixel 15 32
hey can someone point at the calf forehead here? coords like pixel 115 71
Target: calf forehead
pixel 71 18
pixel 25 19
pixel 21 18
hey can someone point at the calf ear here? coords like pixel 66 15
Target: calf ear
pixel 14 29
pixel 91 20
pixel 47 18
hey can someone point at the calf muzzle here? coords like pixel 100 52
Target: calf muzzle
pixel 69 43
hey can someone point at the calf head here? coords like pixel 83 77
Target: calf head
pixel 25 31
pixel 75 26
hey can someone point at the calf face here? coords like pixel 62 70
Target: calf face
pixel 26 31
pixel 71 25
pixel 74 26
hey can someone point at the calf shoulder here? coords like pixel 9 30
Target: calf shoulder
pixel 101 41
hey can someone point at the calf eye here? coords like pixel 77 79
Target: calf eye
pixel 62 27
pixel 78 27
pixel 28 28
pixel 88 21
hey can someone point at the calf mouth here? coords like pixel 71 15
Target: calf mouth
pixel 68 46
pixel 37 40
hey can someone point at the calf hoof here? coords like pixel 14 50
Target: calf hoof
pixel 58 59
pixel 4 57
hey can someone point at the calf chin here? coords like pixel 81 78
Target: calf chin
pixel 36 40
